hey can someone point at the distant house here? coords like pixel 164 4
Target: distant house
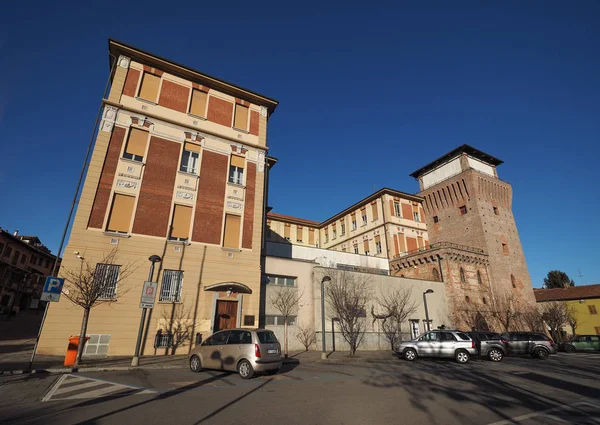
pixel 585 300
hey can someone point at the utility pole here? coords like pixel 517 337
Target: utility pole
pixel 580 276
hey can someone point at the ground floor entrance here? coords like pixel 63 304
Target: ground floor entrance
pixel 225 315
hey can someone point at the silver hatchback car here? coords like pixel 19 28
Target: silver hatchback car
pixel 439 343
pixel 245 351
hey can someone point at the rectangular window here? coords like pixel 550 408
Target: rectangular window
pixel 150 86
pixel 436 219
pixel 31 259
pixel 311 236
pixel 496 212
pixel 374 211
pixel 120 214
pixel 136 145
pixel 232 231
pixel 106 278
pixel 172 282
pixel 241 117
pixel 23 259
pixel 366 246
pixel 462 210
pixel 180 226
pixel 378 244
pixel 189 158
pixel 505 248
pixel 8 251
pixel 2 249
pixel 592 309
pixel 397 208
pixel 198 103
pixel 326 236
pixel 279 320
pixel 416 216
pixel 15 259
pixel 342 228
pixel 286 231
pixel 236 169
pixel 363 213
pixel 281 280
pixel 299 230
pixel 41 260
pixel 356 249
pixel 353 223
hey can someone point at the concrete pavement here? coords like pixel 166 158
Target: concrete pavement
pixel 563 389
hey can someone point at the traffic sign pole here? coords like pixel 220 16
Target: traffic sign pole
pixel 37 340
pixel 136 357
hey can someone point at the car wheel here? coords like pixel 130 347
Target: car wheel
pixel 461 356
pixel 195 364
pixel 245 369
pixel 541 353
pixel 569 349
pixel 495 355
pixel 410 354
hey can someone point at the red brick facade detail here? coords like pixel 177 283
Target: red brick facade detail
pixel 254 117
pixel 249 206
pixel 174 96
pixel 200 87
pixel 154 71
pixel 407 211
pixel 208 220
pixel 422 214
pixel 156 194
pixel 133 75
pixel 106 178
pixel 397 249
pixel 392 211
pixel 220 111
pixel 411 244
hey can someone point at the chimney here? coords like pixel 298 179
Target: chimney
pixel 16 233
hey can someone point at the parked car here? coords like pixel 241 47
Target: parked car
pixel 581 343
pixel 245 351
pixel 493 346
pixel 532 343
pixel 439 343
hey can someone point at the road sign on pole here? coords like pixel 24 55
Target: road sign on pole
pixel 148 294
pixel 52 289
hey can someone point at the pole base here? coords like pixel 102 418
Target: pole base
pixel 135 362
pixel 323 356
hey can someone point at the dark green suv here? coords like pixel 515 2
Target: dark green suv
pixel 582 343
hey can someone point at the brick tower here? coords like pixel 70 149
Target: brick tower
pixel 467 204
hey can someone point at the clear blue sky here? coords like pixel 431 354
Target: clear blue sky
pixel 369 93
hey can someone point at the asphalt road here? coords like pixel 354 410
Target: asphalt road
pixel 562 389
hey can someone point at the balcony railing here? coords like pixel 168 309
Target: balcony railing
pixel 439 245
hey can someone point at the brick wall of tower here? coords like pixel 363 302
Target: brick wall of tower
pixel 481 226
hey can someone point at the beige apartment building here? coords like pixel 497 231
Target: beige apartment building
pixel 178 170
pixel 386 224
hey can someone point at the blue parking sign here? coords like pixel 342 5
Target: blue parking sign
pixel 52 288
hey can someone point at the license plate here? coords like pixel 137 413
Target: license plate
pixel 272 351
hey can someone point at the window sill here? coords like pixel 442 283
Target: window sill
pixel 185 173
pixel 240 130
pixel 141 99
pixel 173 242
pixel 197 116
pixel 118 235
pixel 230 249
pixel 133 161
pixel 169 302
pixel 236 185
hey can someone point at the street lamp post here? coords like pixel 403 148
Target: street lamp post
pixel 323 353
pixel 429 291
pixel 136 358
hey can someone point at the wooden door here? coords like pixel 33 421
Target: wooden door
pixel 226 315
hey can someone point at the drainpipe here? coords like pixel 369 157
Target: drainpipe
pixel 263 248
pixel 440 267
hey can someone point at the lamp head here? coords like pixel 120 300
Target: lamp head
pixel 429 291
pixel 155 259
pixel 326 279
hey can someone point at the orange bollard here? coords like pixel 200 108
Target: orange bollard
pixel 72 350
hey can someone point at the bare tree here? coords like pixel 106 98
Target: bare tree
pixel 533 320
pixel 307 336
pixel 555 314
pixel 397 305
pixel 503 307
pixel 473 316
pixel 286 300
pixel 347 295
pixel 572 319
pixel 178 324
pixel 90 285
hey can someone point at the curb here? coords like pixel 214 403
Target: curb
pixel 86 369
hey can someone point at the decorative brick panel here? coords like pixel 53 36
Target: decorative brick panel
pixel 174 96
pixel 106 178
pixel 407 211
pixel 411 244
pixel 133 76
pixel 249 206
pixel 208 220
pixel 220 111
pixel 154 205
pixel 254 118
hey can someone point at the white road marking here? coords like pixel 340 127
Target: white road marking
pixel 573 406
pixel 84 388
pixel 54 388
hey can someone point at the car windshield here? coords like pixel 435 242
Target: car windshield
pixel 266 337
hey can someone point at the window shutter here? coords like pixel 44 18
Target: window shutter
pixel 136 144
pixel 198 106
pixel 191 147
pixel 377 239
pixel 238 161
pixel 120 214
pixel 420 241
pixel 286 230
pixel 150 85
pixel 232 231
pixel 366 245
pixel 241 117
pixel 311 236
pixel 375 212
pixel 299 233
pixel 402 242
pixel 181 222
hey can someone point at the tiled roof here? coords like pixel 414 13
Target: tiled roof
pixel 275 216
pixel 570 293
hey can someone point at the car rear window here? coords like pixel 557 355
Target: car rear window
pixel 463 336
pixel 266 337
pixel 539 337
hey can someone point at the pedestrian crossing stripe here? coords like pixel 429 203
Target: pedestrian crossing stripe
pixel 74 387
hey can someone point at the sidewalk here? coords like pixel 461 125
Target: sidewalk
pixel 342 357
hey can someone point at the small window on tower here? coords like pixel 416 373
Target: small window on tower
pixel 505 248
pixel 436 219
pixel 462 210
pixel 496 212
pixel 467 299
